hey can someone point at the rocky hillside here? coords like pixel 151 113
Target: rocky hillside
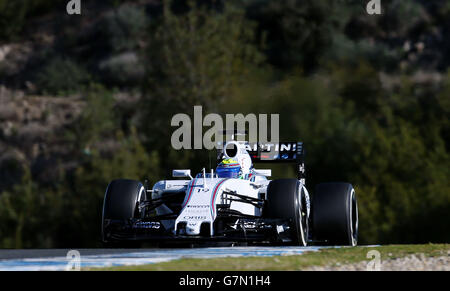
pixel 32 133
pixel 44 72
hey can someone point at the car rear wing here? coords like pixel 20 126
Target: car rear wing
pixel 280 152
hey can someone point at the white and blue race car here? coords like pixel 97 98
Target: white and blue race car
pixel 233 203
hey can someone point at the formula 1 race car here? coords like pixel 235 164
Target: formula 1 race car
pixel 235 203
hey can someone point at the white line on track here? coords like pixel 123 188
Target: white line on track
pixel 148 257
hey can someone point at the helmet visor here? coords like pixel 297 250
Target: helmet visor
pixel 228 172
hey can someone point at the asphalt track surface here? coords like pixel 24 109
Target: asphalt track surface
pixel 57 259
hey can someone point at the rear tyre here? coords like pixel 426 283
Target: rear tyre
pixel 286 200
pixel 335 214
pixel 120 203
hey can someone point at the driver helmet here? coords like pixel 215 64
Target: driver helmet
pixel 229 168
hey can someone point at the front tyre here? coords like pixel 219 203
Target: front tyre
pixel 120 203
pixel 287 200
pixel 335 214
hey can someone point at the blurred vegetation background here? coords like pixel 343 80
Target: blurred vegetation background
pixel 87 99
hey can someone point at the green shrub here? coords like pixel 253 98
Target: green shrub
pixel 12 17
pixel 62 76
pixel 14 14
pixel 124 27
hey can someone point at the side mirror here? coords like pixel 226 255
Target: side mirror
pixel 266 173
pixel 181 173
